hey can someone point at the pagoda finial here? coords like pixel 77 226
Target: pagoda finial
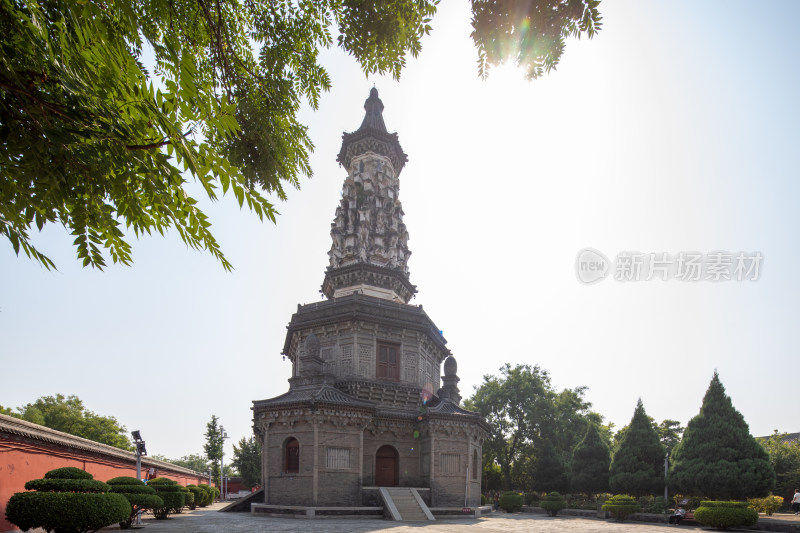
pixel 374 117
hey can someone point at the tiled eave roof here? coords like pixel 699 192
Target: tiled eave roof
pixel 786 438
pixel 15 427
pixel 326 395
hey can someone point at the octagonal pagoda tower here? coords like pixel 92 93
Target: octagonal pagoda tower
pixel 365 408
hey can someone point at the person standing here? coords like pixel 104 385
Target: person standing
pixel 796 501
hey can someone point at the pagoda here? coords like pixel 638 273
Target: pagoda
pixel 368 407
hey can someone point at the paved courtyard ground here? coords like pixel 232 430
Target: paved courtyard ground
pixel 210 521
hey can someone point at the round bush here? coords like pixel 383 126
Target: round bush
pixel 621 506
pixel 511 502
pixel 139 495
pixel 172 501
pixel 190 499
pixel 206 499
pixel 172 495
pixel 66 512
pixel 124 480
pixel 200 495
pixel 58 506
pixel 553 503
pixel 68 472
pixel 725 515
pixel 67 485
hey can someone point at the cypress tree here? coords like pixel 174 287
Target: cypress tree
pixel 717 457
pixel 638 465
pixel 549 471
pixel 591 459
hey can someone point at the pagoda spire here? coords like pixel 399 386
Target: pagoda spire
pixel 369 253
pixel 374 117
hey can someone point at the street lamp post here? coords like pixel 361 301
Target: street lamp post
pixel 666 473
pixel 224 435
pixel 140 451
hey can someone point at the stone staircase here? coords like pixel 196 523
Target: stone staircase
pixel 405 504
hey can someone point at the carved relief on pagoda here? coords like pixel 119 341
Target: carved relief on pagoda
pixel 368 224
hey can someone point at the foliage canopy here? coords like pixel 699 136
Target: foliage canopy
pixel 67 414
pixel 524 411
pixel 784 456
pixel 247 460
pixel 109 109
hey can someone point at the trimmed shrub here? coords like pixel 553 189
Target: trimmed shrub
pixel 621 506
pixel 68 472
pixel 692 502
pixel 767 505
pixel 139 495
pixel 209 498
pixel 725 515
pixel 200 495
pixel 66 485
pixel 171 494
pixel 511 501
pixel 189 495
pixel 484 501
pixel 531 498
pixel 553 503
pixel 59 508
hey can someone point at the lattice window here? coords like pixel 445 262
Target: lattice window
pixel 338 458
pixel 450 463
pixel 347 353
pixel 366 356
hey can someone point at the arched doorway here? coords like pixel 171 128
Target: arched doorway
pixel 386 467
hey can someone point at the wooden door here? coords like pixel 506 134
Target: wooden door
pixel 386 467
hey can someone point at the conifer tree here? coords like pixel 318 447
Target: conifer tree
pixel 549 470
pixel 591 460
pixel 638 465
pixel 717 457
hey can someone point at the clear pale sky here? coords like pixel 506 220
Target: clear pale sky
pixel 674 129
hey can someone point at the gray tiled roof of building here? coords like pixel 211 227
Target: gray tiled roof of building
pixel 22 428
pixel 326 394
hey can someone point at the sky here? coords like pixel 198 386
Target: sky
pixel 674 130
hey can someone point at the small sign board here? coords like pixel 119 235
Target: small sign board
pixel 466 509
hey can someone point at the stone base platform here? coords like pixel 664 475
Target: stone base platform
pixel 291 511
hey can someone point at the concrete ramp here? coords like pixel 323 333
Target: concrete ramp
pixel 242 505
pixel 405 504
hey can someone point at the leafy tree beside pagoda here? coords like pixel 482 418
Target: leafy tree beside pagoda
pixel 717 457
